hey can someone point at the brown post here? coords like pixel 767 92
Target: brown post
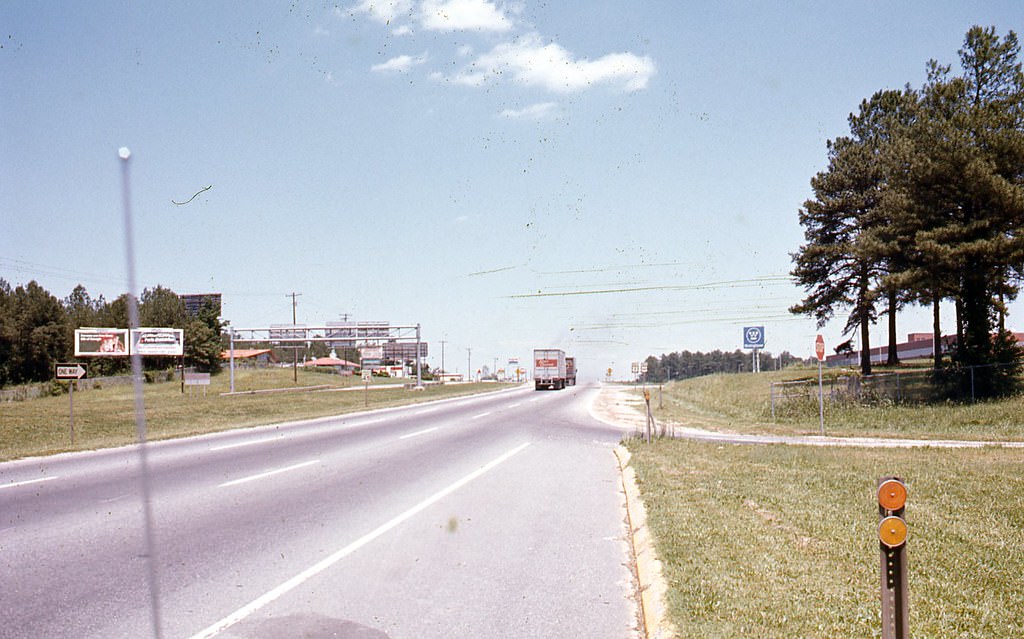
pixel 892 544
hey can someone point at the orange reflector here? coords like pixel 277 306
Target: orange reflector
pixel 892 494
pixel 892 532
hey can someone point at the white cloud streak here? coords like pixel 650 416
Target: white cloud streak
pixel 463 15
pixel 540 111
pixel 530 62
pixel 399 64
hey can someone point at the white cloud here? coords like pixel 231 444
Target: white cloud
pixel 400 64
pixel 463 15
pixel 402 30
pixel 540 111
pixel 549 66
pixel 384 11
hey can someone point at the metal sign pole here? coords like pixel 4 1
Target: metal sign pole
pixel 71 396
pixel 821 401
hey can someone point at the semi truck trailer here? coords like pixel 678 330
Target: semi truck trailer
pixel 549 369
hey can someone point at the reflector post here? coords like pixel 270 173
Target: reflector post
pixel 892 545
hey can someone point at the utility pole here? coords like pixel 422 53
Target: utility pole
pixel 469 369
pixel 295 349
pixel 443 342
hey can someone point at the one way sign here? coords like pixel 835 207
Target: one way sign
pixel 69 371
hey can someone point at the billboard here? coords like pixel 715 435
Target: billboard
pixel 195 302
pixel 158 341
pixel 101 342
pixel 404 350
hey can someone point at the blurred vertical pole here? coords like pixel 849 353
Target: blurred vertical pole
pixel 140 409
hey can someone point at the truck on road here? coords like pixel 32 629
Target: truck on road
pixel 549 369
pixel 570 371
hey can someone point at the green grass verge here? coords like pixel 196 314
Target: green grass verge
pixel 775 541
pixel 106 417
pixel 742 402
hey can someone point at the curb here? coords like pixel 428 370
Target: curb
pixel 649 575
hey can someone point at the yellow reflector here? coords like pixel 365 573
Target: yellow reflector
pixel 892 494
pixel 892 532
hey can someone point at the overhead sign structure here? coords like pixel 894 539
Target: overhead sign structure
pixel 753 337
pixel 158 341
pixel 101 342
pixel 69 371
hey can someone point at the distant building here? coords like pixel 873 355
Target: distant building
pixel 917 346
pixel 251 356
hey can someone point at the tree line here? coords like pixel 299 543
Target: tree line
pixel 923 203
pixel 37 330
pixel 686 364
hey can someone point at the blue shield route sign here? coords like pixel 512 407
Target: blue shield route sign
pixel 753 337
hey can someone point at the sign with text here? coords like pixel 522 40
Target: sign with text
pixel 753 337
pixel 69 371
pixel 101 342
pixel 158 341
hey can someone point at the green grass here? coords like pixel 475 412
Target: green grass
pixel 106 417
pixel 742 402
pixel 775 541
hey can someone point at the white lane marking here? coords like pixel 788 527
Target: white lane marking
pixel 113 499
pixel 481 415
pixel 269 473
pixel 418 433
pixel 535 399
pixel 516 405
pixel 428 410
pixel 29 481
pixel 327 562
pixel 246 443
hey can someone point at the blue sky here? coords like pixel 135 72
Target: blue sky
pixel 615 178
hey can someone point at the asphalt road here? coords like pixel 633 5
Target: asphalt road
pixel 495 516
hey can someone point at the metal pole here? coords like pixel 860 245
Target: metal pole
pixel 821 400
pixel 419 375
pixel 71 396
pixel 231 355
pixel 443 342
pixel 469 369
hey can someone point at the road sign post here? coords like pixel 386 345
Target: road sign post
pixel 70 372
pixel 892 545
pixel 819 351
pixel 753 339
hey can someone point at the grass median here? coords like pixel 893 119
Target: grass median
pixel 781 541
pixel 105 417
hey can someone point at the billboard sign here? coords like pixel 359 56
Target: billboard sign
pixel 158 341
pixel 753 337
pixel 403 350
pixel 101 342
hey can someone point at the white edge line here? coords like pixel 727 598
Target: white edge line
pixel 330 560
pixel 246 443
pixel 419 432
pixel 235 482
pixel 29 481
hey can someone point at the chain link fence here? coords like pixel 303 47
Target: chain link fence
pixel 914 386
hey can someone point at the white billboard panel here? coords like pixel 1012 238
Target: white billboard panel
pixel 158 341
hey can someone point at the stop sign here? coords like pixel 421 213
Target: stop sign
pixel 819 348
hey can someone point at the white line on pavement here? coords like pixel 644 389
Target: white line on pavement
pixel 246 443
pixel 235 482
pixel 28 481
pixel 327 562
pixel 419 432
pixel 481 415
